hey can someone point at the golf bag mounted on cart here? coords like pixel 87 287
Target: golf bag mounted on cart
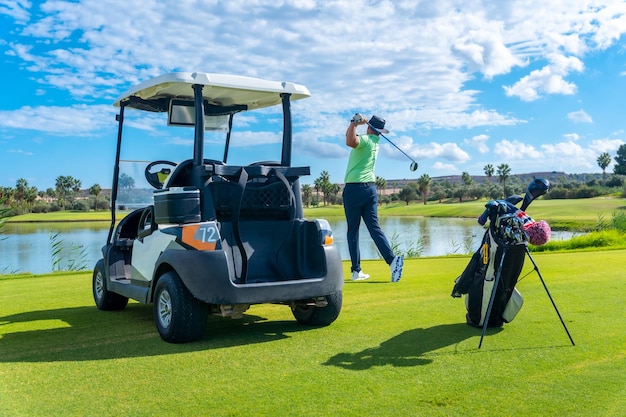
pixel 489 279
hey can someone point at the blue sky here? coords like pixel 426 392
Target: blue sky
pixel 536 85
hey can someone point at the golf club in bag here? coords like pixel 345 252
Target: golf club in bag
pixel 489 279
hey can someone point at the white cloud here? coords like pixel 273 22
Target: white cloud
pixel 516 150
pixel 485 52
pixel 548 80
pixel 19 151
pixel 440 166
pixel 579 116
pixel 479 143
pixel 17 9
pixel 568 154
pixel 77 120
pixel 571 137
pixel 448 151
pixel 605 145
pixel 253 138
pixel 321 149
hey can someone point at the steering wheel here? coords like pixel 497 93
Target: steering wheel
pixel 157 178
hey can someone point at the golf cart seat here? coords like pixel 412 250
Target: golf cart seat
pixel 255 192
pixel 182 174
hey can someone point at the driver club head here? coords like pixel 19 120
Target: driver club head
pixel 413 166
pixel 535 189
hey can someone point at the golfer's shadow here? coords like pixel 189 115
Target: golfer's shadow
pixel 408 348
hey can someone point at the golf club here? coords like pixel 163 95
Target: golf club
pixel 537 188
pixel 413 166
pixel 358 117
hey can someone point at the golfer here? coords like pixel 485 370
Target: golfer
pixel 360 200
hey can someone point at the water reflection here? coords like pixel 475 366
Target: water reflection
pixel 28 247
pixel 426 236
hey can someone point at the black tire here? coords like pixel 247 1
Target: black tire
pixel 318 316
pixel 105 299
pixel 178 316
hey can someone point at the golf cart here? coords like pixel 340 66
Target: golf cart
pixel 206 237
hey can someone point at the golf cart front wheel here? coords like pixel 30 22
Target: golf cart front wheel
pixel 312 315
pixel 105 299
pixel 178 316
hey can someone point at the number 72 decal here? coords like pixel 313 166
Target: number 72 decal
pixel 202 236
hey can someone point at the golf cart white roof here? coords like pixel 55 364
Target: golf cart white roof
pixel 219 89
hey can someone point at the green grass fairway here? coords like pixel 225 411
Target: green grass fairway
pixel 396 350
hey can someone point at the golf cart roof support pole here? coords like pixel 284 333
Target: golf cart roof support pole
pixel 198 142
pixel 116 168
pixel 287 134
pixel 230 128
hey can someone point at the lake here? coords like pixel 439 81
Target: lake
pixel 43 247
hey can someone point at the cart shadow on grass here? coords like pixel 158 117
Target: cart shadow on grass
pixel 84 334
pixel 409 348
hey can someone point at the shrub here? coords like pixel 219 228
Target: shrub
pixel 557 193
pixel 584 192
pixel 103 205
pixel 41 208
pixel 80 206
pixel 615 181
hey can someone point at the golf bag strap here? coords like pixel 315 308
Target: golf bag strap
pixel 292 196
pixel 243 180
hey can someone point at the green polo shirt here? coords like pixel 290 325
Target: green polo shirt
pixel 362 160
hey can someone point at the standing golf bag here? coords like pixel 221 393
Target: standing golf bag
pixel 489 279
pixel 504 235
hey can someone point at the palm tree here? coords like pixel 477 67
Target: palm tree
pixel 503 174
pixel 381 184
pixel 20 190
pixel 125 181
pixel 322 184
pixel 335 189
pixel 95 191
pixel 30 196
pixel 325 184
pixel 66 188
pixel 306 194
pixel 603 161
pixel 318 187
pixel 488 171
pixel 7 194
pixel 423 185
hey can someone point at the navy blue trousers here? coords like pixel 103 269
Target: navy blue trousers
pixel 360 201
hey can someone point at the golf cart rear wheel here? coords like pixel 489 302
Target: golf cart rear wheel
pixel 179 317
pixel 311 315
pixel 105 299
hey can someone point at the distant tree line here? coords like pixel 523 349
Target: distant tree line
pixel 498 182
pixel 66 195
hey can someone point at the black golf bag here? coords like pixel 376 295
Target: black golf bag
pixel 502 252
pixel 489 279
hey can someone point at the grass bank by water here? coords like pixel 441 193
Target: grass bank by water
pixel 580 214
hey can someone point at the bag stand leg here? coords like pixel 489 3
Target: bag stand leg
pixel 550 297
pixel 492 297
pixel 495 287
